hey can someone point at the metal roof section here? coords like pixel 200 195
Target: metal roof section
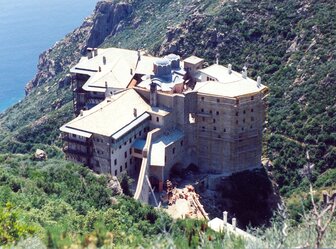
pixel 145 65
pixel 66 129
pixel 158 111
pixel 130 126
pixel 159 147
pixel 113 66
pixel 227 82
pixel 232 89
pixel 139 144
pixel 224 74
pixel 112 115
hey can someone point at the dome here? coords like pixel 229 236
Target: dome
pixel 174 59
pixel 162 67
pixel 162 62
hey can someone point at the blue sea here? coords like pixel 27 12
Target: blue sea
pixel 27 28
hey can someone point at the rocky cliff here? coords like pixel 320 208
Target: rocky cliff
pixel 106 20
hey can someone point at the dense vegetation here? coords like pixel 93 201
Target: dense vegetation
pixel 289 43
pixel 62 204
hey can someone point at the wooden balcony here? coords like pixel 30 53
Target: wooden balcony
pixel 86 153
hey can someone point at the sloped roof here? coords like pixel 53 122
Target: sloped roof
pixel 193 59
pixel 228 84
pixel 233 89
pixel 112 115
pixel 157 157
pixel 118 70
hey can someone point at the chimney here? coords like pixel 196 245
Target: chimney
pixel 89 53
pixel 230 68
pixel 258 81
pixel 104 60
pixel 108 91
pixel 225 218
pixel 95 52
pixel 139 55
pixel 131 71
pixel 153 95
pixel 217 59
pixel 81 113
pixel 99 69
pixel 234 223
pixel 135 112
pixel 244 72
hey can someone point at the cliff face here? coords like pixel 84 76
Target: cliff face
pixel 106 20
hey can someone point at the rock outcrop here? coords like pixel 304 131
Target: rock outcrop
pixel 40 155
pixel 106 20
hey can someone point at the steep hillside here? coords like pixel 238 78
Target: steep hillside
pixel 290 44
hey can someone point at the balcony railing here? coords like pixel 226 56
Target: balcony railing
pixel 68 138
pixel 87 153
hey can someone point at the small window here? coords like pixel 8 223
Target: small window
pixel 217 113
pixel 237 114
pixel 214 121
pixel 202 98
pixel 202 110
pixel 215 128
pixel 244 120
pixel 125 165
pixel 150 118
pixel 130 140
pixel 210 111
pixel 125 143
pixel 131 161
pixel 251 126
pixel 119 146
pixel 244 111
pixel 224 130
pixel 217 100
pixel 135 136
pixel 120 169
pixel 112 151
pixel 115 161
pixel 74 135
pixel 242 128
pixel 115 172
pixel 125 154
pixel 139 133
pixel 219 136
pixel 203 128
pixel 130 151
pixel 181 142
pixel 252 110
pixel 252 97
pixel 174 150
pixel 157 119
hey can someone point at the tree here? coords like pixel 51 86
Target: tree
pixel 323 215
pixel 11 229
